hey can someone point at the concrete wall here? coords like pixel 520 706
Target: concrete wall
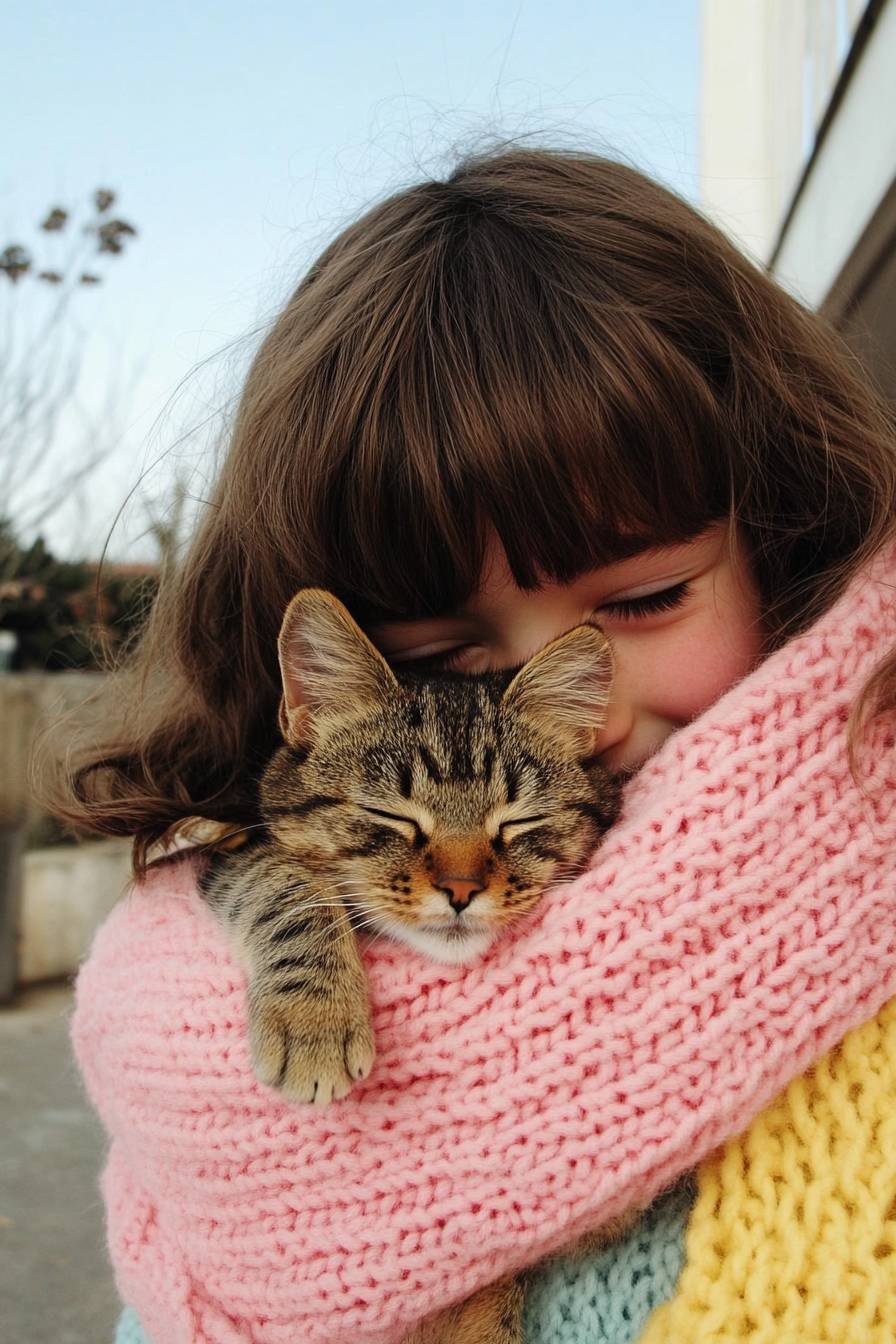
pixel 28 699
pixel 51 899
pixel 67 891
pixel 798 155
pixel 850 176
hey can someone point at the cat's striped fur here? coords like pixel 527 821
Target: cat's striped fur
pixel 432 809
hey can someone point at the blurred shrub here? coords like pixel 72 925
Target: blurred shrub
pixel 60 619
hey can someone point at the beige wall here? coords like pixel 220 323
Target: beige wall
pixel 27 699
pixel 798 154
pixel 51 899
pixel 768 69
pixel 66 893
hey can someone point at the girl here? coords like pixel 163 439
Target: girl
pixel 542 391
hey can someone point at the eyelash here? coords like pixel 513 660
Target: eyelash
pixel 627 609
pixel 665 600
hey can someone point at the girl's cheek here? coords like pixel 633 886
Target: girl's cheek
pixel 692 682
pixel 701 659
pixel 676 672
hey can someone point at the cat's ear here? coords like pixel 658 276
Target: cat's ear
pixel 565 688
pixel 330 670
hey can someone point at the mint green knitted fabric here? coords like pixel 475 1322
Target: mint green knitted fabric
pixel 129 1330
pixel 606 1298
pixel 600 1299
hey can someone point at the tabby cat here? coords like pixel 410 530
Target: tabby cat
pixel 435 809
pixel 432 809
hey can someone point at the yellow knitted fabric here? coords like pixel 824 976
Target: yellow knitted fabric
pixel 792 1239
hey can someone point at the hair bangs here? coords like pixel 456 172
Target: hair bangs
pixel 549 344
pixel 551 411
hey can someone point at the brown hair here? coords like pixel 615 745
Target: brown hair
pixel 547 341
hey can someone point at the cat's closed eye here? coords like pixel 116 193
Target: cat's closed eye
pixel 508 831
pixel 433 810
pixel 418 836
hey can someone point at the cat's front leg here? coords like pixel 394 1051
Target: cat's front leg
pixel 310 1028
pixel 309 1016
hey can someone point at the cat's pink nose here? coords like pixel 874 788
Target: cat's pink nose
pixel 459 890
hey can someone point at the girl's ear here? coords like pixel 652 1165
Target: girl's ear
pixel 565 688
pixel 330 670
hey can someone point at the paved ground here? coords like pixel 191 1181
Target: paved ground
pixel 55 1283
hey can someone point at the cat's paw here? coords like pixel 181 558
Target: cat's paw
pixel 494 1315
pixel 311 1053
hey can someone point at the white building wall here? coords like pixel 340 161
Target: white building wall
pixel 850 176
pixel 751 123
pixel 769 69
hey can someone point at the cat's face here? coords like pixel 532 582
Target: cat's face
pixel 436 808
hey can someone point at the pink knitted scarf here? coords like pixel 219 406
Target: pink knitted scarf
pixel 736 923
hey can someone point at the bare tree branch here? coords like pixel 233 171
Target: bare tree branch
pixel 41 353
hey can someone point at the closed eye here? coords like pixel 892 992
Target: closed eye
pixel 667 599
pixel 419 835
pixel 511 830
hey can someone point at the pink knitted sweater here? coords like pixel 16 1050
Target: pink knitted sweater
pixel 736 923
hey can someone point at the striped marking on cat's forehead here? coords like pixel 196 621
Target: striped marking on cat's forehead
pixel 469 757
pixel 430 764
pixel 467 763
pixel 459 737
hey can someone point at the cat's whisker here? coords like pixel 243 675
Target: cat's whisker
pixel 340 915
pixel 562 879
pixel 341 920
pixel 327 886
pixel 295 918
pixel 371 924
pixel 310 903
pixel 307 901
pixel 366 909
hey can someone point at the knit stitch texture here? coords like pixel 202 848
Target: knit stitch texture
pixel 129 1329
pixel 793 1236
pixel 606 1298
pixel 734 926
pixel 602 1298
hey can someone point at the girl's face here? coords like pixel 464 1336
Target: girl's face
pixel 684 622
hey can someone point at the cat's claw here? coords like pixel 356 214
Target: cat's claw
pixel 359 1052
pixel 303 1059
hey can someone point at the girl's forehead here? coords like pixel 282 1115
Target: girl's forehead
pixel 638 559
pixel 412 572
pixel 495 573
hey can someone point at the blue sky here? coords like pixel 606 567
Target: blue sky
pixel 241 137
